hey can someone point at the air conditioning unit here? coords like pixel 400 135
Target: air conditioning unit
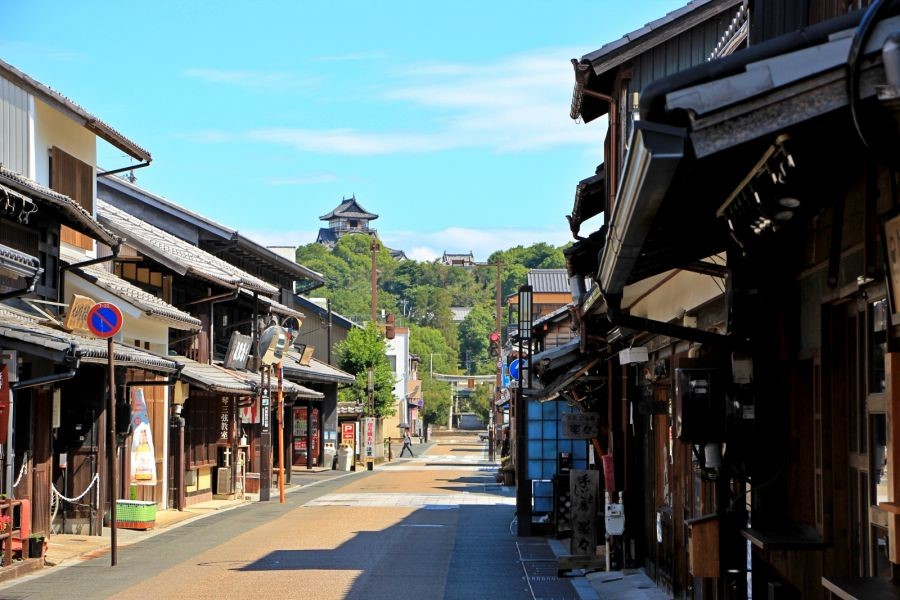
pixel 223 481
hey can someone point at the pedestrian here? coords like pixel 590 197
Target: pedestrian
pixel 407 444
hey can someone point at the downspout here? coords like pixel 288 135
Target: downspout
pixel 612 170
pixel 123 169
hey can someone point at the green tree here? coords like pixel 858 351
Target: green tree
pixel 365 348
pixel 435 354
pixel 474 344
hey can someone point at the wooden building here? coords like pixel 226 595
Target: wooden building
pixel 747 253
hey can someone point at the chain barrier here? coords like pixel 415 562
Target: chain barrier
pixel 21 473
pixel 57 496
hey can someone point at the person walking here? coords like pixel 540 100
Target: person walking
pixel 407 444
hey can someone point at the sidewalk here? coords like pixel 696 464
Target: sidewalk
pixel 68 548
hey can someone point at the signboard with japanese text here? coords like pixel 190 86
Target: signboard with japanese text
pixel 580 426
pixel 76 316
pixel 224 419
pixel 369 430
pixel 238 351
pixel 348 434
pixel 584 487
pixel 264 410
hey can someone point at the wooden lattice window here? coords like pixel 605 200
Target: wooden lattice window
pixel 75 179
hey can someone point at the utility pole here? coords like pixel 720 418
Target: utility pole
pixel 498 385
pixel 374 249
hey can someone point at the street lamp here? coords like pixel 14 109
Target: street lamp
pixel 523 487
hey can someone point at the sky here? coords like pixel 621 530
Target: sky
pixel 448 120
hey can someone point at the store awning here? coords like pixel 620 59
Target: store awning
pixel 215 378
pixel 575 375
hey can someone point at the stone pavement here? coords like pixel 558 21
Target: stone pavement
pixel 69 548
pixel 537 556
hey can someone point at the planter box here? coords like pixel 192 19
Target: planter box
pixel 135 514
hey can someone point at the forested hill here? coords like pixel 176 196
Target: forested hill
pixel 420 295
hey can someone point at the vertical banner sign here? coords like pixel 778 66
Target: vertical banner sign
pixel 370 437
pixel 264 410
pixel 584 487
pixel 225 420
pixel 348 435
pixel 143 457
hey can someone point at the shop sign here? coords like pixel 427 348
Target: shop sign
pixel 580 426
pixel 225 419
pixel 264 410
pixel 369 425
pixel 76 317
pixel 238 351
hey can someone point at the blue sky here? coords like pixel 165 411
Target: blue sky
pixel 450 121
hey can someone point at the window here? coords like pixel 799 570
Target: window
pixel 75 179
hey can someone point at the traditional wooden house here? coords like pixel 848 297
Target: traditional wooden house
pixel 750 405
pixel 58 439
pixel 230 305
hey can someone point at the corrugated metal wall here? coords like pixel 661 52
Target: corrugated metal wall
pixel 772 18
pixel 14 146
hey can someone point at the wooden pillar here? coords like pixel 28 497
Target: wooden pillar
pixel 892 406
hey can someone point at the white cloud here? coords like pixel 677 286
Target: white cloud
pixel 429 245
pixel 253 80
pixel 517 103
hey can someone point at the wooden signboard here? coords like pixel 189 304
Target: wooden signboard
pixel 584 487
pixel 580 426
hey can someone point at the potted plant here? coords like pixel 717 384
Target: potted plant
pixel 35 545
pixel 507 473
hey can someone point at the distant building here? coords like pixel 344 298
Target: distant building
pixel 348 217
pixel 459 313
pixel 458 260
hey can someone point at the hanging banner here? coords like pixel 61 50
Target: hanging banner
pixel 143 457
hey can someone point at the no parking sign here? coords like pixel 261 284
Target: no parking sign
pixel 104 319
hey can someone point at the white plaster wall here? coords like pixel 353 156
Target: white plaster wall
pixel 136 324
pixel 52 128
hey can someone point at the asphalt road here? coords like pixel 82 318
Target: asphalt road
pixel 437 526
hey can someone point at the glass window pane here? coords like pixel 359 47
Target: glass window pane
pixel 877 345
pixel 879 458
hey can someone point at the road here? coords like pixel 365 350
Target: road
pixel 437 526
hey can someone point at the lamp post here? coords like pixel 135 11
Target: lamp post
pixel 523 488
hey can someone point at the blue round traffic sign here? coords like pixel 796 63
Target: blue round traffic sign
pixel 514 367
pixel 104 319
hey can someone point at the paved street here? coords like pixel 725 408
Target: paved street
pixel 436 526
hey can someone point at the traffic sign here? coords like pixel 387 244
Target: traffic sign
pixel 104 319
pixel 514 367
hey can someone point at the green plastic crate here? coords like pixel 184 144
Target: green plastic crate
pixel 135 514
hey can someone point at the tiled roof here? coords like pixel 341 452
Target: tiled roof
pixel 30 330
pixel 349 209
pixel 242 383
pixel 77 217
pixel 73 110
pixel 176 253
pixel 548 280
pixel 23 264
pixel 349 408
pixel 317 371
pixel 147 302
pixel 215 378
